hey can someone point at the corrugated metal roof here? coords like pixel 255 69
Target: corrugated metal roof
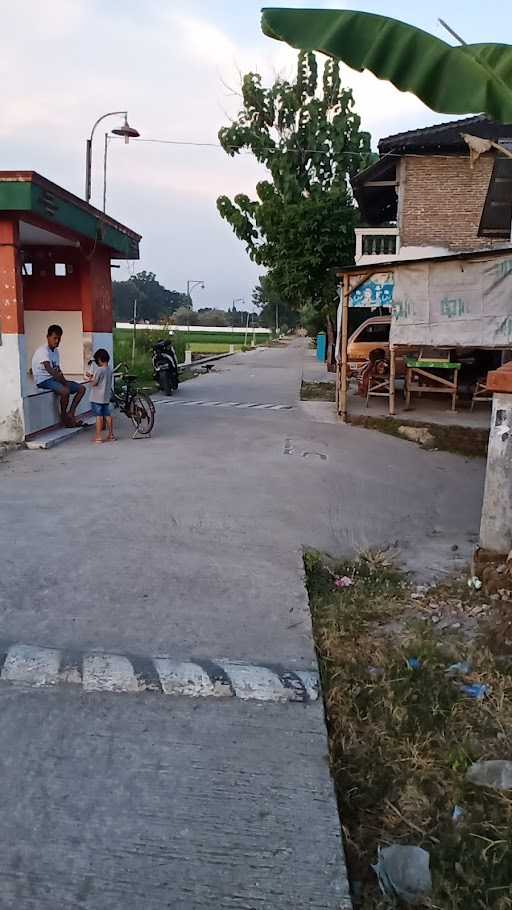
pixel 445 137
pixel 380 266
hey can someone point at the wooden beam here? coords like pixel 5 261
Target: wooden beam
pixel 381 183
pixel 392 374
pixel 342 411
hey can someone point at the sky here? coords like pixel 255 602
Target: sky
pixel 175 65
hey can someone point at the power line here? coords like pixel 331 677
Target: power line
pixel 217 145
pixel 271 148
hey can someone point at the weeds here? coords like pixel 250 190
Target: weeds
pixel 318 391
pixel 402 734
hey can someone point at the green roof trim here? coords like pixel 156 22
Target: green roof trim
pixel 28 192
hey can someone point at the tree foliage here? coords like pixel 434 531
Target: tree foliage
pixel 185 316
pixel 307 134
pixel 274 311
pixel 154 301
pixel 213 317
pixel 470 79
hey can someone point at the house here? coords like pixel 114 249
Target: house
pixel 436 248
pixel 426 196
pixel 55 262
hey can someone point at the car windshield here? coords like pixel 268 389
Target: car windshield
pixel 377 332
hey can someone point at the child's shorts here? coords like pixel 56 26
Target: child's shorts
pixel 100 410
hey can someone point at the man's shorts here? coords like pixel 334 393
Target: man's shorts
pixel 53 385
pixel 100 410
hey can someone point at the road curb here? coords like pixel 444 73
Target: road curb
pixel 96 671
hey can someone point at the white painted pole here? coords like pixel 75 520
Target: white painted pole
pixel 134 329
pixel 496 524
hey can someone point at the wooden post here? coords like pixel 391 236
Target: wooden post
pixel 344 352
pixel 392 372
pixel 455 386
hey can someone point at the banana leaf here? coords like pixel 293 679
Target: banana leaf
pixel 467 79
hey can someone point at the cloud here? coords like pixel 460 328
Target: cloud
pixel 169 64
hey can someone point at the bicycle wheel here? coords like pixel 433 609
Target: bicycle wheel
pixel 142 413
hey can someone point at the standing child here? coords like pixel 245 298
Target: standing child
pixel 100 395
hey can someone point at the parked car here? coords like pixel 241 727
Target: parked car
pixel 372 335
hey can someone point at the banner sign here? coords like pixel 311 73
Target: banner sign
pixel 375 294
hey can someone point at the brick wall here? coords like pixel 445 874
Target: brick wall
pixel 442 199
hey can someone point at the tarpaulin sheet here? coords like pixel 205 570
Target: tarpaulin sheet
pixel 461 303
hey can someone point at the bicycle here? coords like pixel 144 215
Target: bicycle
pixel 137 406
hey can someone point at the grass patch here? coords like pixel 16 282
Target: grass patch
pixel 142 366
pixel 219 337
pixel 402 739
pixel 210 347
pixel 468 441
pixel 318 391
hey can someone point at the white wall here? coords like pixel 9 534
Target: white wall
pixel 12 352
pixel 71 347
pixel 103 340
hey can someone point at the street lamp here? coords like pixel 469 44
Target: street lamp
pixel 235 301
pixel 125 130
pixel 191 284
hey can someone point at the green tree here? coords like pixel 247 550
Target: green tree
pixel 274 311
pixel 184 315
pixel 154 301
pixel 213 317
pixel 302 222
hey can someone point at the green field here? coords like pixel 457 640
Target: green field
pixel 195 339
pixel 211 347
pixel 197 342
pixel 144 341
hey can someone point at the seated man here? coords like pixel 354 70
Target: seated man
pixel 48 375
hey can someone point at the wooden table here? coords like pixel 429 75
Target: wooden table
pixel 419 378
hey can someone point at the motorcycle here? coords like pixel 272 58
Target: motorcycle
pixel 165 366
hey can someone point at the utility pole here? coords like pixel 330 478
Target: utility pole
pixel 277 317
pixel 134 329
pixel 235 301
pixel 246 328
pixel 191 284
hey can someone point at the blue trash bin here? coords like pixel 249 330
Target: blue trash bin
pixel 321 346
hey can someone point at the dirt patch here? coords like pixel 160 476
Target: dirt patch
pixel 318 391
pixel 404 728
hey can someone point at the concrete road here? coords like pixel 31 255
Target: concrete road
pixel 189 544
pixel 118 803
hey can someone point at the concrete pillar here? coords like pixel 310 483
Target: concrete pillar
pixel 188 356
pixel 496 524
pixel 13 364
pixel 96 304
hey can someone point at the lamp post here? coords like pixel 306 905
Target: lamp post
pixel 125 130
pixel 191 284
pixel 235 301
